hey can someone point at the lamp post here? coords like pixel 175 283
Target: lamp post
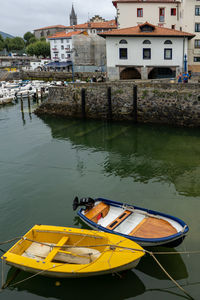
pixel 185 63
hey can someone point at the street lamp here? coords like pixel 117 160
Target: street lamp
pixel 185 63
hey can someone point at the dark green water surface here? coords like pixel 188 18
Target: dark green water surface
pixel 46 162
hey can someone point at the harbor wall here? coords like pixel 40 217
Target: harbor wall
pixel 155 102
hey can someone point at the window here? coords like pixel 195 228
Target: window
pixel 197 10
pixel 67 40
pixel 196 58
pixel 62 41
pixel 139 12
pixel 62 56
pixel 62 47
pixel 197 43
pixel 173 11
pixel 173 26
pixel 161 14
pixel 168 42
pixel 123 53
pixel 167 53
pixel 146 53
pixel 68 55
pixel 197 27
pixel 55 41
pixel 146 42
pixel 123 42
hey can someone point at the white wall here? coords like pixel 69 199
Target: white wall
pixel 62 54
pixel 127 14
pixel 135 51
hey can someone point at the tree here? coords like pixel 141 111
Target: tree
pixel 1 43
pixel 16 43
pixel 39 48
pixel 32 40
pixel 28 36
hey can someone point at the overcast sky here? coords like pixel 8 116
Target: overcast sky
pixel 18 17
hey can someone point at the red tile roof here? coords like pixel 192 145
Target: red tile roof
pixel 157 31
pixel 50 27
pixel 95 25
pixel 63 34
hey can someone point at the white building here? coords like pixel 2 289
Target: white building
pixel 85 52
pixel 145 51
pixel 183 15
pixel 61 45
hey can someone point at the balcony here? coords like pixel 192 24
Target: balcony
pixel 67 49
pixel 54 49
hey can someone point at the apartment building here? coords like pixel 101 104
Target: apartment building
pixel 182 15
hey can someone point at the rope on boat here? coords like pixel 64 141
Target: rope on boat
pixel 113 248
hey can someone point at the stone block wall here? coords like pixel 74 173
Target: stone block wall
pixel 157 102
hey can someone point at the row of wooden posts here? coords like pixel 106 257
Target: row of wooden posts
pixel 109 101
pixel 37 98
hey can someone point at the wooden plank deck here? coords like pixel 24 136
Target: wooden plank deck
pixel 153 228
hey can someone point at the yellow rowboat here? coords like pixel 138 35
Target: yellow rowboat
pixel 72 252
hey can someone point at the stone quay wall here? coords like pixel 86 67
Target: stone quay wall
pixel 157 102
pixel 53 76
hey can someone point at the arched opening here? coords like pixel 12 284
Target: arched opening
pixel 168 42
pixel 165 72
pixel 146 42
pixel 123 42
pixel 130 73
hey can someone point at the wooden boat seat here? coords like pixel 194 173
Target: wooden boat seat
pixel 98 211
pixel 119 219
pixel 55 250
pixel 153 228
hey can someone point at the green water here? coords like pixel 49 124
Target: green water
pixel 46 162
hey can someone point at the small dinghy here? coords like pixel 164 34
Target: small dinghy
pixel 71 252
pixel 145 227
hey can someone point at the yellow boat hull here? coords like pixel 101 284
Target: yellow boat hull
pixel 65 252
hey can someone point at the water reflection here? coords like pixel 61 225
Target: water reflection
pixel 173 263
pixel 158 153
pixel 100 287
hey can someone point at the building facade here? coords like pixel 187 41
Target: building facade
pixel 47 31
pixel 145 51
pixel 87 53
pixel 183 15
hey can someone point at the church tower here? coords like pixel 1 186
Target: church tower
pixel 73 17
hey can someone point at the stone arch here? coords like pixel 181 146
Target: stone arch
pixel 161 72
pixel 130 73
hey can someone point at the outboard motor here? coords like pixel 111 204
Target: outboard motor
pixel 87 202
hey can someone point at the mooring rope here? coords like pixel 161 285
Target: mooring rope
pixel 113 247
pixel 12 240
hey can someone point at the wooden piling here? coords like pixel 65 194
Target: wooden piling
pixel 109 103
pixel 28 99
pixel 22 105
pixel 135 120
pixel 37 97
pixel 41 93
pixel 83 103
